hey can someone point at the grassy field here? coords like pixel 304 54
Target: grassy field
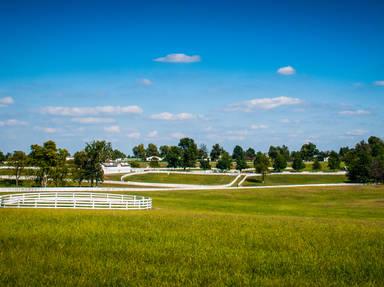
pixel 181 178
pixel 294 179
pixel 276 237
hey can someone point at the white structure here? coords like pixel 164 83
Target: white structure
pixel 154 158
pixel 81 200
pixel 116 166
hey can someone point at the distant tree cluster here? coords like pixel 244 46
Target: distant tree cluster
pixel 364 162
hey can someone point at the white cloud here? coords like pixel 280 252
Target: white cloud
pixel 265 103
pixel 93 120
pixel 49 130
pixel 6 101
pixel 152 134
pixel 12 123
pixel 134 135
pixel 82 111
pixel 379 83
pixel 177 135
pixel 145 82
pixel 286 71
pixel 236 135
pixel 178 58
pixel 258 126
pixel 356 133
pixel 172 117
pixel 354 112
pixel 112 129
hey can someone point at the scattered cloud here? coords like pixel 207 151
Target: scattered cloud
pixel 236 135
pixel 152 134
pixel 93 120
pixel 6 101
pixel 356 133
pixel 379 83
pixel 49 130
pixel 178 58
pixel 264 104
pixel 112 129
pixel 82 111
pixel 172 117
pixel 134 135
pixel 12 123
pixel 286 71
pixel 258 126
pixel 354 112
pixel 145 82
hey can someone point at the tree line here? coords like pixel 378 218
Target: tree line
pixel 363 163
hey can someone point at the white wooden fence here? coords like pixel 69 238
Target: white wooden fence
pixel 80 200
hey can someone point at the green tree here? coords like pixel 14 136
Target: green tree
pixel 18 160
pixel 308 151
pixel 261 164
pixel 117 154
pixel 225 161
pixel 203 152
pixel 250 154
pixel 238 153
pixel 298 163
pixel 173 156
pixel 274 151
pixel 280 163
pixel 2 157
pixel 216 152
pixel 188 152
pixel 152 150
pixel 45 158
pixel 334 161
pixel 358 161
pixel 80 172
pixel 164 149
pixel 59 172
pixel 97 152
pixel 204 163
pixel 139 151
pixel 316 165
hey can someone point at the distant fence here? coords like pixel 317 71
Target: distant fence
pixel 78 200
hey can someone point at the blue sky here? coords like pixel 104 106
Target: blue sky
pixel 253 73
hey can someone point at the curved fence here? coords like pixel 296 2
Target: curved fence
pixel 80 200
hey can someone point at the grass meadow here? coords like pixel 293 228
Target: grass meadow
pixel 181 178
pixel 276 237
pixel 278 179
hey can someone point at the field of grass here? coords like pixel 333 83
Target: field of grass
pixel 294 179
pixel 277 237
pixel 181 178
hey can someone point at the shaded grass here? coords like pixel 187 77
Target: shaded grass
pixel 277 237
pixel 181 178
pixel 294 179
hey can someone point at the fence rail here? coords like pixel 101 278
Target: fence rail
pixel 80 200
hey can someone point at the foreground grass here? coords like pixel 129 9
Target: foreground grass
pixel 277 237
pixel 295 179
pixel 181 178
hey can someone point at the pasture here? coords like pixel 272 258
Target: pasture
pixel 330 236
pixel 181 178
pixel 278 179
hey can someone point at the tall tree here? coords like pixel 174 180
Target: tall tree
pixel 334 160
pixel 225 161
pixel 80 172
pixel 250 154
pixel 173 156
pixel 274 151
pixel 204 163
pixel 188 152
pixel 216 152
pixel 308 151
pixel 45 158
pixel 358 161
pixel 203 152
pixel 139 151
pixel 117 154
pixel 18 161
pixel 298 163
pixel 238 153
pixel 280 163
pixel 2 157
pixel 316 164
pixel 97 153
pixel 164 149
pixel 152 150
pixel 261 164
pixel 60 170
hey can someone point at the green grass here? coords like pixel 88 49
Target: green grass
pixel 275 237
pixel 294 179
pixel 181 178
